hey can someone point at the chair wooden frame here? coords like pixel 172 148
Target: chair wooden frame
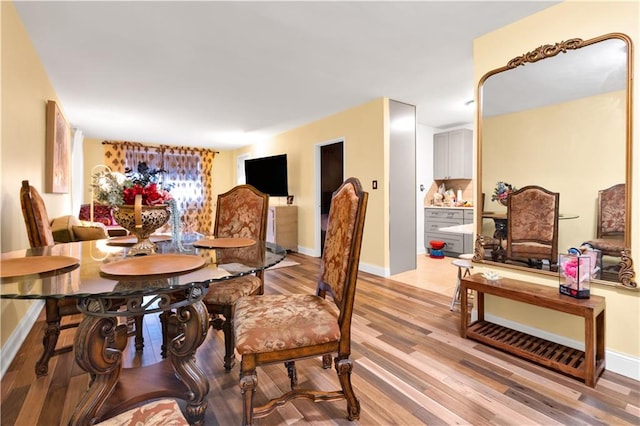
pixel 339 270
pixel 39 234
pixel 222 314
pixel 533 249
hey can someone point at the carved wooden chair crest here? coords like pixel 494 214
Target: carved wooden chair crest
pixel 285 328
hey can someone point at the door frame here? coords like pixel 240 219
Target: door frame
pixel 317 187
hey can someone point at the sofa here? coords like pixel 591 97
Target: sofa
pixel 69 228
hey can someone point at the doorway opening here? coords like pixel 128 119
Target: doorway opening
pixel 331 177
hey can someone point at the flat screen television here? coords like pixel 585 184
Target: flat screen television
pixel 268 175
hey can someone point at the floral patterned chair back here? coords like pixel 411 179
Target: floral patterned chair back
pixel 237 211
pixel 611 220
pixel 532 231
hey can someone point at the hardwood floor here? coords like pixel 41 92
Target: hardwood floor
pixel 411 368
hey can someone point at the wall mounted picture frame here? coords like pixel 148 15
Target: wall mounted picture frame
pixel 58 151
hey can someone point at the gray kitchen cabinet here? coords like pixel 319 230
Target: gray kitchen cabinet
pixel 453 155
pixel 468 238
pixel 441 217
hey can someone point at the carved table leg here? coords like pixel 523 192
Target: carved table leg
pixel 49 342
pixel 187 329
pixel 95 353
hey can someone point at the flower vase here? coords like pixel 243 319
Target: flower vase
pixel 141 221
pixel 504 200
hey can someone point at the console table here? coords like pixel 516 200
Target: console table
pixel 586 365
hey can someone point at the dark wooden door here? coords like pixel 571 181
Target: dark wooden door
pixel 331 177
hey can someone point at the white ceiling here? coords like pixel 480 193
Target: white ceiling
pixel 227 74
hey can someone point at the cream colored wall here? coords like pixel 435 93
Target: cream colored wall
pixel 362 128
pixel 25 91
pixel 563 156
pixel 561 22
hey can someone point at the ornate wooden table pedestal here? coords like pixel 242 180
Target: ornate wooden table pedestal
pixel 98 349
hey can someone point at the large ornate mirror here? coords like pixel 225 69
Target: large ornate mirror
pixel 558 117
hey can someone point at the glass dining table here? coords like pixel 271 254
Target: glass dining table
pixel 109 286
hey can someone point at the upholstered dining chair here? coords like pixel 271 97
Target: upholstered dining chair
pixel 285 328
pixel 611 221
pixel 39 233
pixel 532 230
pixel 241 213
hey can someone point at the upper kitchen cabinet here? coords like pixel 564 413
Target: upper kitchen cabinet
pixel 453 155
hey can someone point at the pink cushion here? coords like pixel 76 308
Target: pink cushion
pixel 164 412
pixel 279 322
pixel 228 292
pixel 101 214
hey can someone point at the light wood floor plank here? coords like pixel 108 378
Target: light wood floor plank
pixel 410 368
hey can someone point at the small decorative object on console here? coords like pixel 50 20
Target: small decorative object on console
pixel 491 275
pixel 575 275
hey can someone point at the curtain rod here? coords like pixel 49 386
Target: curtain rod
pixel 158 146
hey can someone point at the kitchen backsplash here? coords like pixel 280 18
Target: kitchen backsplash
pixel 465 185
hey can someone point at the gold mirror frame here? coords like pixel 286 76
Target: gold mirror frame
pixel 626 274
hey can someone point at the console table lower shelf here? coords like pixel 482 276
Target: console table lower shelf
pixel 586 365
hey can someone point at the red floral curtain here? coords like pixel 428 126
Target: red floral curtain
pixel 188 170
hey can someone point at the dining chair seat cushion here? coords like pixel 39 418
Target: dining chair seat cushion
pixel 280 322
pixel 163 412
pixel 529 248
pixel 608 246
pixel 228 292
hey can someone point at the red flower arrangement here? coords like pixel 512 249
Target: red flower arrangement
pixel 116 189
pixel 151 194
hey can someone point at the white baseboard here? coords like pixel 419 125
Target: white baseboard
pixel 364 267
pixel 307 251
pixel 623 364
pixel 374 270
pixel 10 348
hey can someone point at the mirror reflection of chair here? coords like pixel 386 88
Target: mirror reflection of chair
pixel 611 221
pixel 241 213
pixel 286 328
pixel 532 233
